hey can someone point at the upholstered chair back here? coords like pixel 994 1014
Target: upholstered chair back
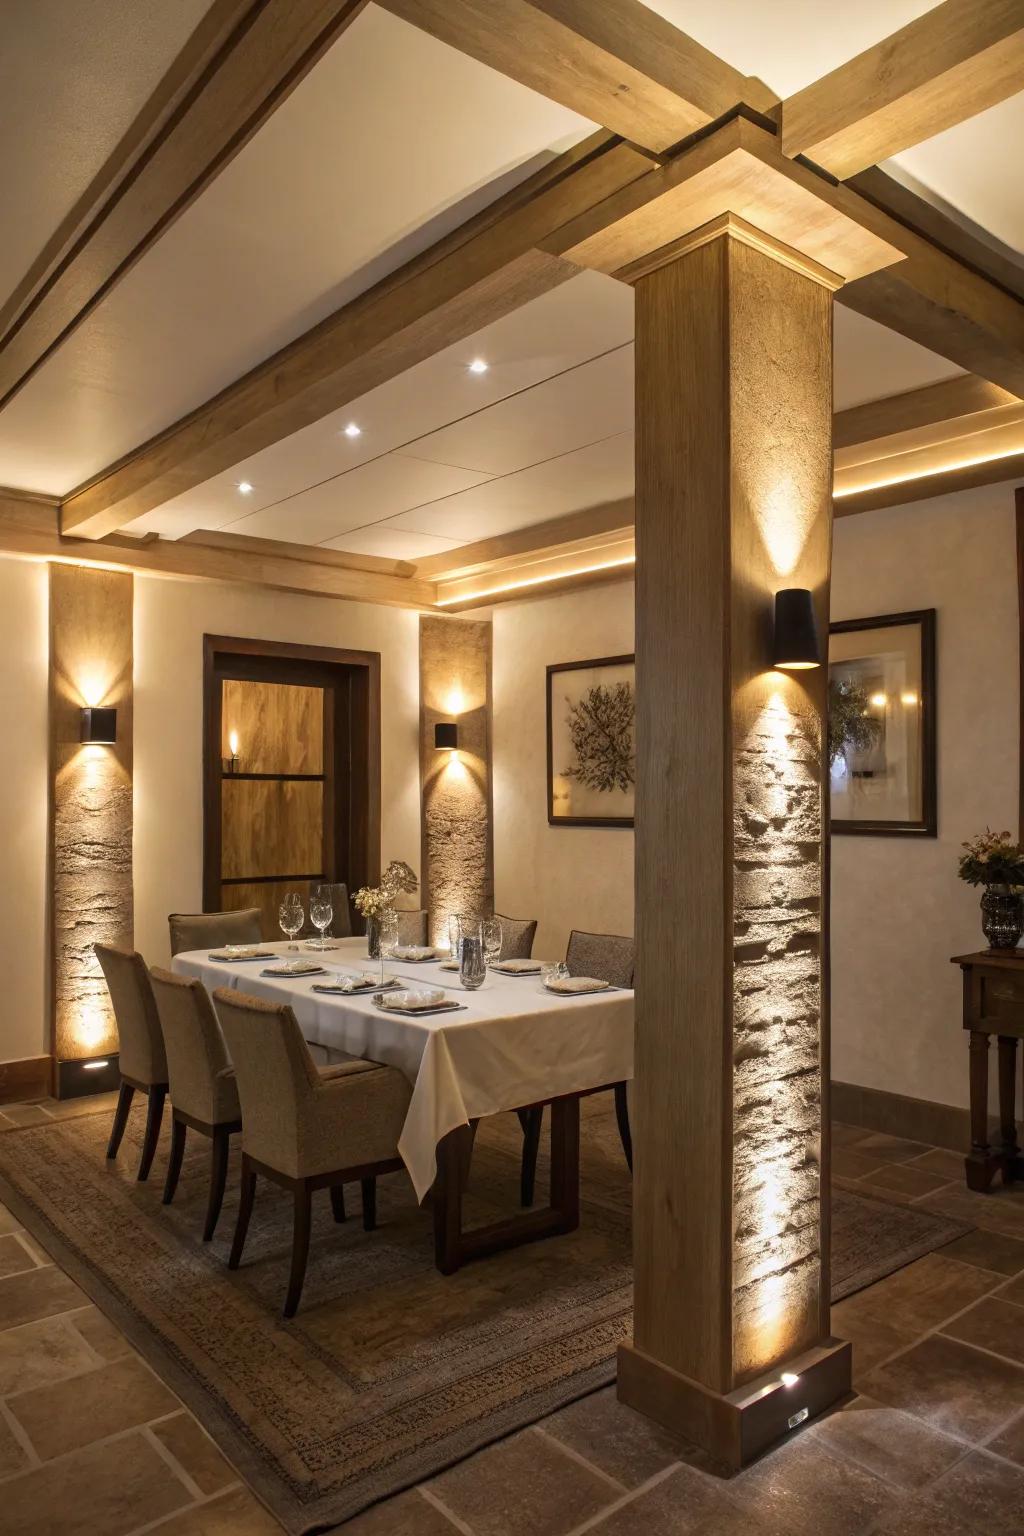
pixel 212 930
pixel 141 1044
pixel 199 1068
pixel 275 1073
pixel 412 927
pixel 517 936
pixel 605 956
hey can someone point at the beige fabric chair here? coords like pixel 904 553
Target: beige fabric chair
pixel 607 957
pixel 204 1094
pixel 412 927
pixel 212 930
pixel 141 1059
pixel 517 936
pixel 304 1128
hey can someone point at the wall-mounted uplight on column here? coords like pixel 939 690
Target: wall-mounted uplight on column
pixel 446 736
pixel 796 643
pixel 99 726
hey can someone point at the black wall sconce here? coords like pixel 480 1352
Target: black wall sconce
pixel 99 726
pixel 446 736
pixel 796 645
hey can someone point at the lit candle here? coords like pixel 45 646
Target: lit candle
pixel 233 748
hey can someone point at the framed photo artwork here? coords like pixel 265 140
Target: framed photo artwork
pixel 881 725
pixel 591 710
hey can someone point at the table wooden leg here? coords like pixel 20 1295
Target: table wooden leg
pixel 1009 1150
pixel 979 1165
pixel 451 1159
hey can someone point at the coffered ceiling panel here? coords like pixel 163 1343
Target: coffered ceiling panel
pixel 73 75
pixel 390 141
pixel 601 472
pixel 376 490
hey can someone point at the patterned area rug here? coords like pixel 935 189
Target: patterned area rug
pixel 390 1371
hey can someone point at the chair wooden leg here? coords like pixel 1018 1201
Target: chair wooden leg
pixel 124 1104
pixel 532 1122
pixel 622 1118
pixel 368 1188
pixel 154 1115
pixel 178 1132
pixel 218 1178
pixel 247 1195
pixel 338 1201
pixel 300 1247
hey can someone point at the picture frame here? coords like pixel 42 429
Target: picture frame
pixel 882 717
pixel 591 742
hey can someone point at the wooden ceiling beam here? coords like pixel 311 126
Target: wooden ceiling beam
pixel 949 401
pixel 487 268
pixel 619 64
pixel 954 61
pixel 943 482
pixel 242 61
pixel 29 528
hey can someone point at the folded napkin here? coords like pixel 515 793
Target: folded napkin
pixel 414 951
pixel 294 968
pixel 572 984
pixel 242 952
pixel 427 997
pixel 449 965
pixel 517 967
pixel 360 983
pixel 327 944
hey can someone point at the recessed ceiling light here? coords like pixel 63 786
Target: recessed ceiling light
pixel 245 488
pixel 478 365
pixel 353 431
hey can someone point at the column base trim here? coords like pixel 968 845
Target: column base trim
pixel 736 1427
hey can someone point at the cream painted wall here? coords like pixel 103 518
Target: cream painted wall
pixel 898 910
pixel 24 645
pixel 171 618
pixel 566 877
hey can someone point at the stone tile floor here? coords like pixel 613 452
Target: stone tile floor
pixel 93 1444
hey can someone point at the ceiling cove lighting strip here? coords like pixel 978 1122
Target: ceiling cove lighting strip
pixel 536 581
pixel 927 474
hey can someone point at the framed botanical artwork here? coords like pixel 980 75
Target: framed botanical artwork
pixel 881 725
pixel 592 742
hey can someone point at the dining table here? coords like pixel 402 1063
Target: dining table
pixel 511 1044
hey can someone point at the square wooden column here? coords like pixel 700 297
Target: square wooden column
pixel 733 502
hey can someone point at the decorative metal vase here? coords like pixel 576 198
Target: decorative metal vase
pixel 373 938
pixel 1002 916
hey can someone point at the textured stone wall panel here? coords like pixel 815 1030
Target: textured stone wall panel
pixel 91 801
pixel 457 836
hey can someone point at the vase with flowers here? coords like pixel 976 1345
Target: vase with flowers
pixel 996 862
pixel 375 902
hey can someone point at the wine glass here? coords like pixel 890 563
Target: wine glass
pixel 321 910
pixel 492 939
pixel 454 934
pixel 291 917
pixel 388 928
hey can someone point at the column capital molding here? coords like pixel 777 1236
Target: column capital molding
pixel 732 226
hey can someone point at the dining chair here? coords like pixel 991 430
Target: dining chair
pixel 517 936
pixel 204 1094
pixel 341 912
pixel 212 930
pixel 412 927
pixel 304 1128
pixel 607 957
pixel 142 1060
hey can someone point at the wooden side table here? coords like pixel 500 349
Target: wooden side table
pixel 993 1005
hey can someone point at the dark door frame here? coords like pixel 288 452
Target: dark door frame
pixel 351 680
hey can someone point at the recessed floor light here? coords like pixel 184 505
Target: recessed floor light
pixel 478 365
pixel 245 488
pixel 353 431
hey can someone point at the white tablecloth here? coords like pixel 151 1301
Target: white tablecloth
pixel 515 1043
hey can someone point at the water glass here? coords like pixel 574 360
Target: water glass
pixel 387 927
pixel 321 910
pixel 472 960
pixel 492 939
pixel 557 971
pixel 454 934
pixel 291 917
